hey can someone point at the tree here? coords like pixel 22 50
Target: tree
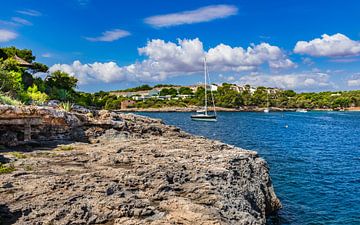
pixel 260 96
pixel 38 67
pixel 25 54
pixel 168 91
pixel 60 85
pixel 289 93
pixel 10 78
pixel 61 80
pixel 185 91
pixel 227 97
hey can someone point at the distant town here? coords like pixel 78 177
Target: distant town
pixel 176 92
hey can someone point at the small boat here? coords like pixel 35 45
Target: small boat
pixel 302 110
pixel 204 115
pixel 266 110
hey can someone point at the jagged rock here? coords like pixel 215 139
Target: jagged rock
pixel 137 171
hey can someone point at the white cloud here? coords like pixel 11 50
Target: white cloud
pixel 21 21
pixel 203 14
pixel 87 73
pixel 225 58
pixel 29 12
pixel 354 83
pixel 109 36
pixel 301 81
pixel 7 35
pixel 46 55
pixel 8 23
pixel 307 61
pixel 168 59
pixel 329 46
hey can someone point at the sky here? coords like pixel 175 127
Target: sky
pixel 307 45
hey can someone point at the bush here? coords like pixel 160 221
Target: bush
pixel 6 100
pixel 67 106
pixel 6 169
pixel 37 96
pixel 18 155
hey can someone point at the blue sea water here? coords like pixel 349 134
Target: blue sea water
pixel 314 158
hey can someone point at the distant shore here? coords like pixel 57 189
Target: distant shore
pixel 222 109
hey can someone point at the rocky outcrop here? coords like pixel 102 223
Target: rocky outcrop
pixel 135 170
pixel 47 124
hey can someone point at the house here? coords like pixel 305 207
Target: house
pixel 22 62
pixel 236 88
pixel 153 93
pixel 214 87
pixel 127 103
pixel 273 90
pixel 184 96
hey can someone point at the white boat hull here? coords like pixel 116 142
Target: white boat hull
pixel 209 118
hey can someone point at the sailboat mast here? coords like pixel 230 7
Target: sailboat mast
pixel 205 85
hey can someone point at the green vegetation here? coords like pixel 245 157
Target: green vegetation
pixel 6 168
pixel 66 106
pixel 18 155
pixel 8 100
pixel 164 85
pixel 18 85
pixel 144 87
pixel 168 91
pixel 66 147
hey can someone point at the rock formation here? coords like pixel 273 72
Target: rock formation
pixel 130 170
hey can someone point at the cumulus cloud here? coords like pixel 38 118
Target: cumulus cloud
pixel 109 36
pixel 354 82
pixel 29 12
pixel 203 14
pixel 226 58
pixel 337 45
pixel 169 59
pixel 87 73
pixel 7 35
pixel 301 81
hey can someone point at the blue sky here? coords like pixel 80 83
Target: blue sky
pixel 303 45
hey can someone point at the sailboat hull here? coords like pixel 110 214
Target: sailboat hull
pixel 209 118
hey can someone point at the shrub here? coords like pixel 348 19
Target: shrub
pixel 6 100
pixel 6 169
pixel 36 96
pixel 18 155
pixel 66 147
pixel 67 106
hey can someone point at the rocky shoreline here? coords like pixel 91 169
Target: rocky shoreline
pixel 127 169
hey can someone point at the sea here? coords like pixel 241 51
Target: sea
pixel 314 158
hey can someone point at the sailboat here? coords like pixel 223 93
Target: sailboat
pixel 204 115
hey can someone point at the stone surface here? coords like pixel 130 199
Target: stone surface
pixel 136 170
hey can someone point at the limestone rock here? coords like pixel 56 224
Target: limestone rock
pixel 136 170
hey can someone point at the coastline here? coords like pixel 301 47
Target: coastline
pixel 133 170
pixel 221 109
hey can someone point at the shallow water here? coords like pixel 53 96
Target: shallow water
pixel 314 158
